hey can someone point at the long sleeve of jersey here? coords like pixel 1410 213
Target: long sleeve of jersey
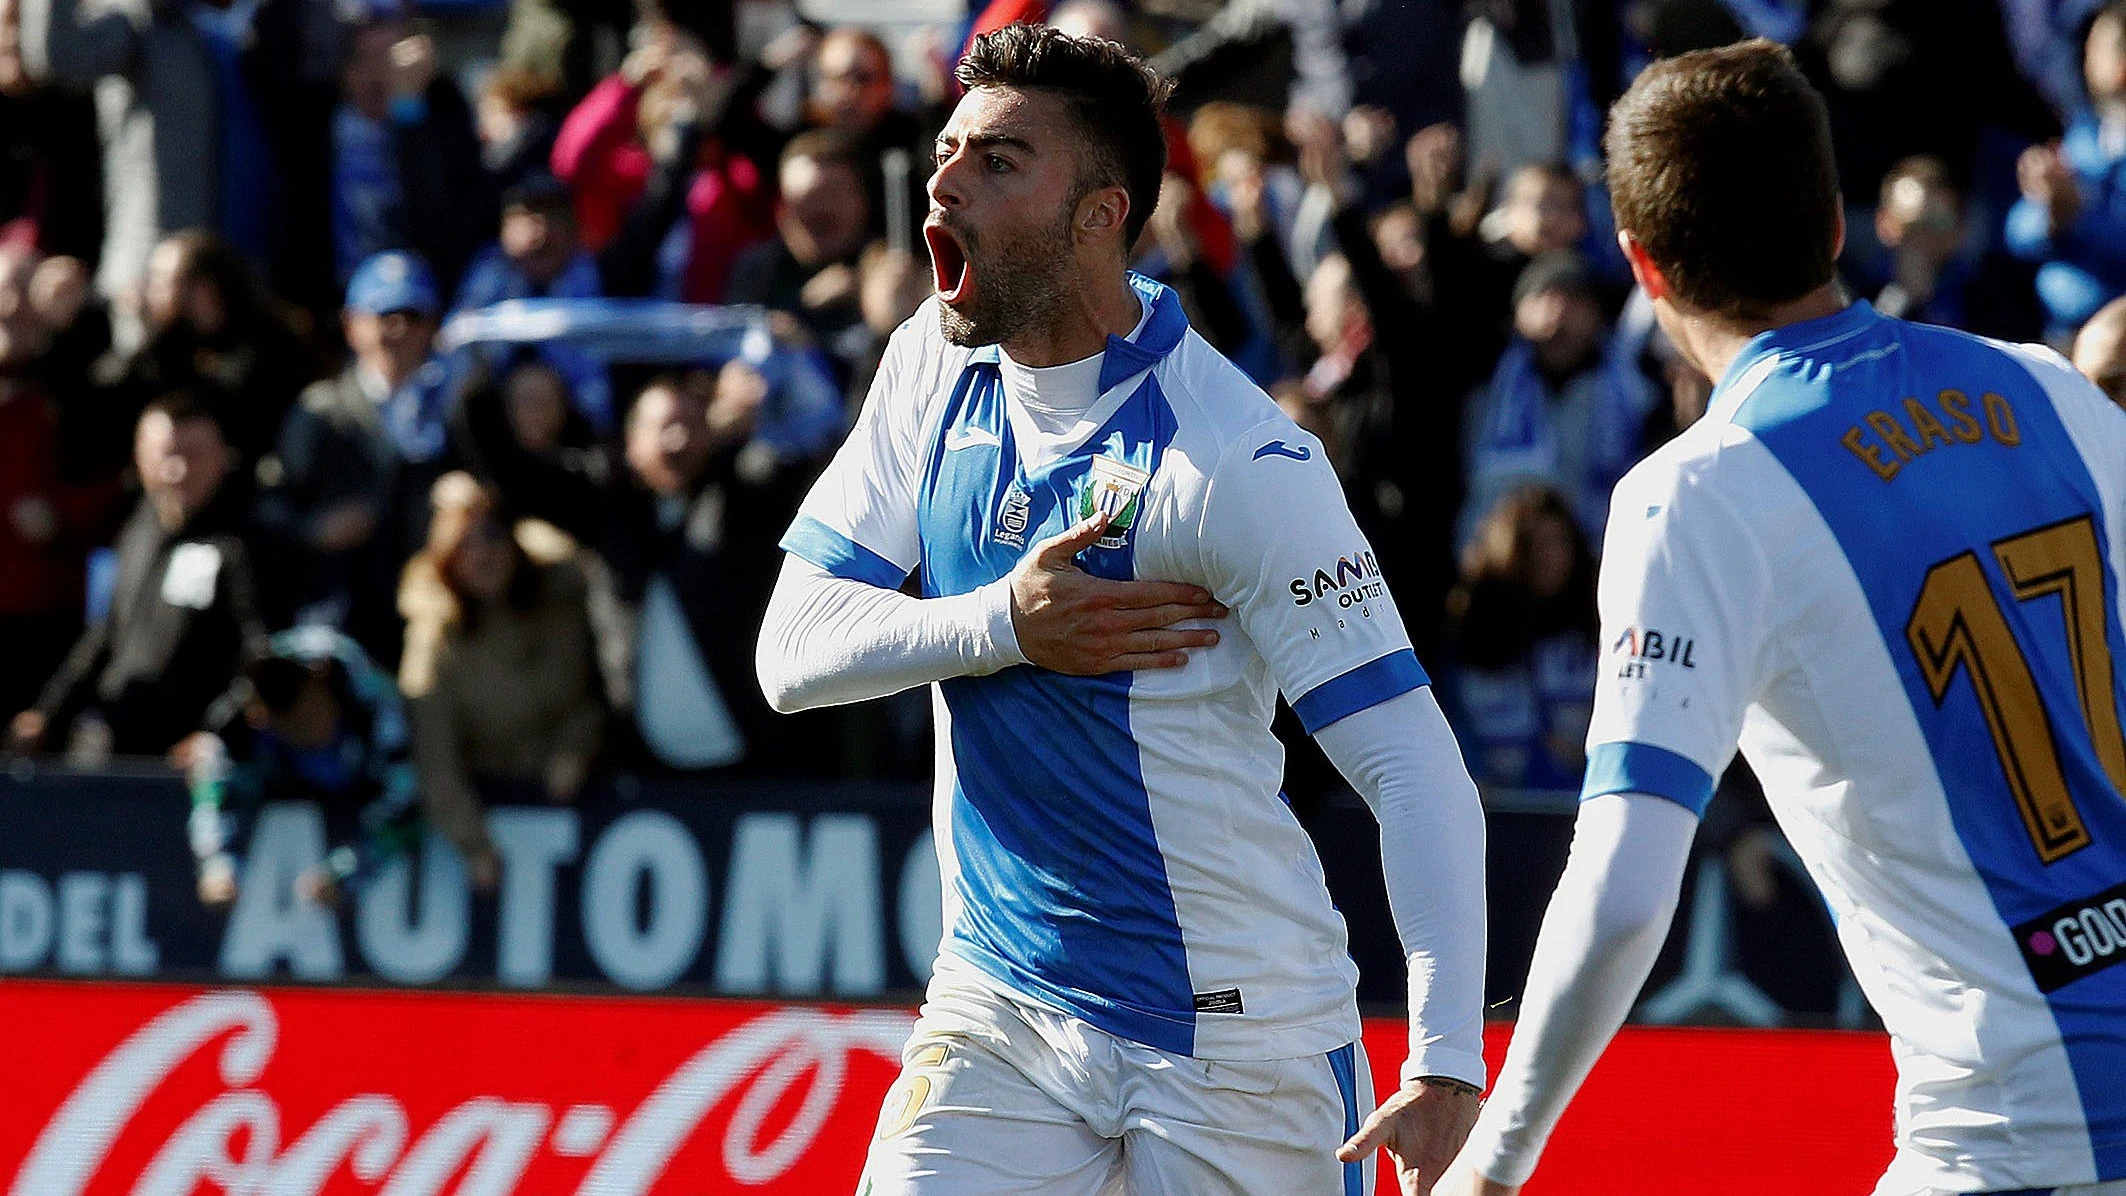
pixel 830 640
pixel 1402 758
pixel 1600 936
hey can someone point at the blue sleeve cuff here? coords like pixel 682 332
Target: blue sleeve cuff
pixel 1644 768
pixel 1368 685
pixel 840 555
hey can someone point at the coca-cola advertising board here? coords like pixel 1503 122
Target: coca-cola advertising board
pixel 166 1090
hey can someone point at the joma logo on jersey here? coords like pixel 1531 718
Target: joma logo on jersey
pixel 1641 648
pixel 2078 939
pixel 1355 579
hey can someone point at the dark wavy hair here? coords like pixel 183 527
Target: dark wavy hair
pixel 1115 98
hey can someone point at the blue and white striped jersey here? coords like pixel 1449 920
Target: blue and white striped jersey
pixel 1889 561
pixel 1116 847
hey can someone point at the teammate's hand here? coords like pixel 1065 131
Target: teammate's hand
pixel 1422 1126
pixel 1072 622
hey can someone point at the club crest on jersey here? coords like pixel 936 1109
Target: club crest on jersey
pixel 1116 487
pixel 1013 517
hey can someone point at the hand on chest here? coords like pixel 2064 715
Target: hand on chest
pixel 995 487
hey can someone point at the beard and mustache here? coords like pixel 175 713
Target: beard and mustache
pixel 1018 287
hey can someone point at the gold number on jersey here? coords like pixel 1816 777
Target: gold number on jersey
pixel 1957 623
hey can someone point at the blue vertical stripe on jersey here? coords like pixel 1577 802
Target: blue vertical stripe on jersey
pixel 1343 1062
pixel 1644 768
pixel 1063 886
pixel 1368 685
pixel 1964 497
pixel 840 555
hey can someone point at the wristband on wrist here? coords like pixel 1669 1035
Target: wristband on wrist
pixel 1451 1084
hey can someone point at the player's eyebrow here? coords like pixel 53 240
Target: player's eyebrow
pixel 981 141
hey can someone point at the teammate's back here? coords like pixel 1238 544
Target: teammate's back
pixel 1887 565
pixel 1908 544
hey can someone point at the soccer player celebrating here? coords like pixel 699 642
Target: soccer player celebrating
pixel 1888 562
pixel 1123 551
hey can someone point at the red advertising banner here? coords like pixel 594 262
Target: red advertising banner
pixel 166 1090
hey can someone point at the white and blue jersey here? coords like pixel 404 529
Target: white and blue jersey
pixel 1889 562
pixel 1116 847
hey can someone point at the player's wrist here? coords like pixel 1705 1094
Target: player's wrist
pixel 1445 1084
pixel 1436 1061
pixel 999 621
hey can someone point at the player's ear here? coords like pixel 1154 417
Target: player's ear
pixel 1838 250
pixel 1103 210
pixel 1643 269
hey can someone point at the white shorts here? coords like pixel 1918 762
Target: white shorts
pixel 998 1097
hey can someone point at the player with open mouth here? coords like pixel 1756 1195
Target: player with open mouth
pixel 1143 985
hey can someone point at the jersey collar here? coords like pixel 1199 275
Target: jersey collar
pixel 1759 357
pixel 1162 332
pixel 1806 336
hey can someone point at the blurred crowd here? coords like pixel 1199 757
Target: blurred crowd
pixel 400 402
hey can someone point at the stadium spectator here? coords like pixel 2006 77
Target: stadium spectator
pixel 516 132
pixel 50 191
pixel 892 285
pixel 48 520
pixel 1188 246
pixel 407 168
pixel 809 269
pixel 1544 210
pixel 691 538
pixel 349 478
pixel 1522 643
pixel 310 720
pixel 184 613
pixel 852 93
pixel 1561 407
pixel 211 322
pixel 1398 368
pixel 1920 222
pixel 499 667
pixel 520 434
pixel 657 192
pixel 2100 350
pixel 171 81
pixel 540 256
pixel 1938 273
pixel 2072 215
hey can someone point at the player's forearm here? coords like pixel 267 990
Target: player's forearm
pixel 1603 930
pixel 1402 758
pixel 828 640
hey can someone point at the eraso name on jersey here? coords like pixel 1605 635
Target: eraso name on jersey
pixel 1650 646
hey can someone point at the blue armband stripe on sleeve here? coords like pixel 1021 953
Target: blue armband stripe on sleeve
pixel 840 555
pixel 1368 685
pixel 1644 768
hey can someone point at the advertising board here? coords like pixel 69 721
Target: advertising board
pixel 167 1090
